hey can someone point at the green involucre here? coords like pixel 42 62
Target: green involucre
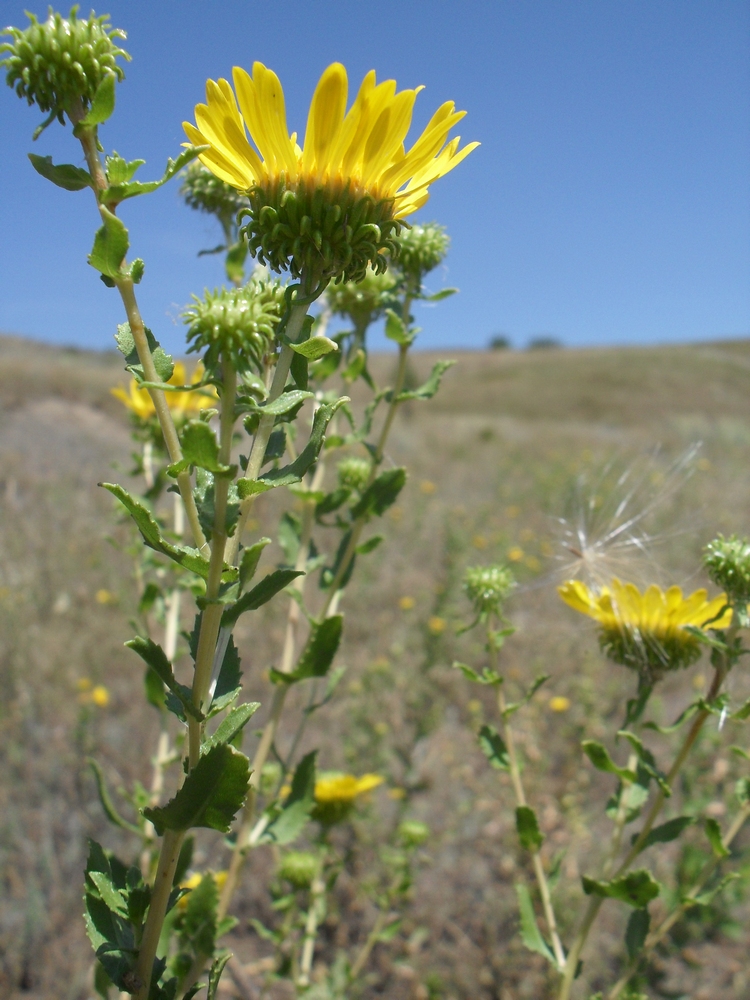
pixel 487 587
pixel 353 472
pixel 420 249
pixel 651 655
pixel 728 563
pixel 299 868
pixel 363 301
pixel 60 62
pixel 205 192
pixel 240 322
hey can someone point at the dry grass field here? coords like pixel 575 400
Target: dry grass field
pixel 495 460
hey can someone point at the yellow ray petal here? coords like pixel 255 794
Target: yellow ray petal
pixel 325 118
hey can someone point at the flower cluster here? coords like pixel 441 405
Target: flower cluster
pixel 728 563
pixel 487 587
pixel 365 301
pixel 420 249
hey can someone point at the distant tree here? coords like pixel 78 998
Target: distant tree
pixel 543 343
pixel 499 342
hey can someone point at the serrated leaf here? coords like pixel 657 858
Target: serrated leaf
pixel 315 347
pixel 494 748
pixel 126 346
pixel 713 832
pixel 599 757
pixel 396 330
pixel 199 448
pixel 636 932
pixel 110 246
pixel 380 494
pixel 261 594
pixel 110 895
pixel 428 389
pixel 199 922
pixel 120 192
pixel 214 975
pixel 319 651
pixel 234 723
pixel 103 103
pixel 106 802
pixel 369 546
pixel 647 761
pixel 292 819
pixel 486 677
pixel 250 559
pixel 120 170
pixel 213 792
pixel 666 832
pixel 530 933
pixel 527 827
pixel 282 404
pixel 186 557
pixel 444 293
pixel 637 888
pixel 152 654
pixel 65 175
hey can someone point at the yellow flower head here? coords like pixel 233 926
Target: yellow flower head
pixel 648 631
pixel 182 404
pixel 335 795
pixel 332 205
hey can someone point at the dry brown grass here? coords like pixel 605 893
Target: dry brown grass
pixel 502 445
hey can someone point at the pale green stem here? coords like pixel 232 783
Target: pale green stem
pixel 314 915
pixel 659 933
pixel 520 794
pixel 595 902
pixel 162 887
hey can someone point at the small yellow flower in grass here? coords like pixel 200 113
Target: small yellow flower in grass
pixel 182 404
pixel 381 728
pixel 83 684
pixel 515 554
pixel 335 204
pixel 474 706
pixel 479 542
pixel 195 880
pixel 105 597
pixel 559 703
pixel 648 631
pixel 336 793
pixel 437 625
pixel 699 682
pixel 406 603
pixel 427 487
pixel 100 696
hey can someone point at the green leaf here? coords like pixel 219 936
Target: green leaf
pixel 637 888
pixel 637 931
pixel 106 802
pixel 530 933
pixel 120 170
pixel 199 447
pixel 292 819
pixel 713 832
pixel 486 677
pixel 315 347
pixel 103 104
pixel 268 587
pixel 529 834
pixel 156 658
pixel 428 389
pixel 199 923
pixel 212 794
pixel 119 192
pixel 250 559
pixel 186 557
pixel 214 975
pixel 395 329
pixel 355 367
pixel 494 748
pixel 126 346
pixel 742 791
pixel 444 293
pixel 647 760
pixel 282 404
pixel 599 757
pixel 537 683
pixel 381 494
pixel 114 899
pixel 294 472
pixel 368 546
pixel 742 713
pixel 110 246
pixel 318 654
pixel 233 724
pixel 704 898
pixel 65 175
pixel 666 832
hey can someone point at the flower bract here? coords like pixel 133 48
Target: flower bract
pixel 333 205
pixel 648 631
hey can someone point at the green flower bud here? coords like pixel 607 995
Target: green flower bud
pixel 353 472
pixel 421 249
pixel 728 563
pixel 413 833
pixel 270 777
pixel 299 868
pixel 58 64
pixel 238 322
pixel 363 301
pixel 205 192
pixel 487 587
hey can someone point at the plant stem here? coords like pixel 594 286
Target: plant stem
pixel 168 858
pixel 659 933
pixel 517 782
pixel 595 902
pixel 314 916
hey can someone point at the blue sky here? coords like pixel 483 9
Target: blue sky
pixel 609 202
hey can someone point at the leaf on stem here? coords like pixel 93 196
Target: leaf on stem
pixel 530 933
pixel 199 448
pixel 106 802
pixel 152 654
pixel 527 826
pixel 494 748
pixel 599 757
pixel 214 975
pixel 637 888
pixel 116 193
pixel 103 103
pixel 231 726
pixel 250 559
pixel 665 832
pixel 318 654
pixel 213 792
pixel 513 706
pixel 110 247
pixel 488 676
pixel 380 494
pixel 713 832
pixel 163 362
pixel 261 594
pixel 287 825
pixel 397 330
pixel 428 389
pixel 637 931
pixel 65 175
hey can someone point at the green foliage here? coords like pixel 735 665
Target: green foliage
pixel 156 658
pixel 421 248
pixel 728 563
pixel 286 823
pixel 494 748
pixel 163 362
pixel 636 888
pixel 121 187
pixel 106 802
pixel 381 494
pixel 667 832
pixel 199 448
pixel 261 594
pixel 64 175
pixel 429 388
pixel 599 757
pixel 713 832
pixel 212 793
pixel 527 826
pixel 637 931
pixel 317 656
pixel 530 933
pixel 110 247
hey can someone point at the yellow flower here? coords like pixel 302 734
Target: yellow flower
pixel 105 597
pixel 195 880
pixel 348 158
pixel 335 794
pixel 406 603
pixel 437 625
pixel 515 554
pixel 648 631
pixel 559 703
pixel 182 404
pixel 100 696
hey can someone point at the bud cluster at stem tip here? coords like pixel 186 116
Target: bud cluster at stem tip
pixel 58 64
pixel 420 249
pixel 239 323
pixel 487 587
pixel 364 301
pixel 205 192
pixel 728 563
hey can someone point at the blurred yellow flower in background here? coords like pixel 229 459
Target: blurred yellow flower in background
pixel 336 793
pixel 182 404
pixel 559 703
pixel 437 625
pixel 406 603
